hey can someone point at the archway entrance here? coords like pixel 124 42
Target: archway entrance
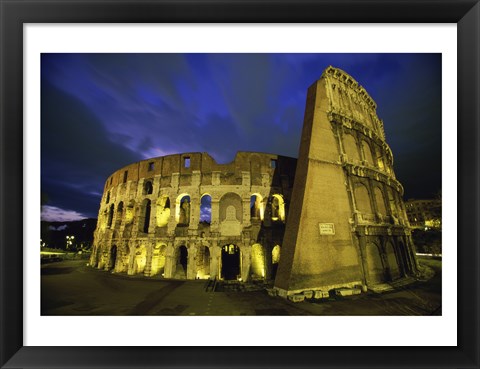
pixel 203 262
pixel 374 263
pixel 404 259
pixel 113 258
pixel 182 261
pixel 230 262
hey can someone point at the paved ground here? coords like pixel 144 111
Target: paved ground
pixel 71 288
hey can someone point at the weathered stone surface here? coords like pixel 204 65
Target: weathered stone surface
pixel 321 294
pixel 296 298
pixel 347 291
pixel 308 294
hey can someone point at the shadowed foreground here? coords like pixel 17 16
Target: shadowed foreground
pixel 72 288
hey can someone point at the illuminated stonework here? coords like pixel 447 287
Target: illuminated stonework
pixel 185 216
pixel 347 222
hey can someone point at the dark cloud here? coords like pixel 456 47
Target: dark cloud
pixel 76 153
pixel 103 111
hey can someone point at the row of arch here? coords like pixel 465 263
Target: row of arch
pixel 371 200
pixel 273 207
pixel 232 261
pixel 363 151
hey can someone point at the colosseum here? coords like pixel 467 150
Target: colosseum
pixel 333 218
pixel 185 216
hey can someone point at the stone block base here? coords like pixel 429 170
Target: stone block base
pixel 321 295
pixel 296 298
pixel 347 291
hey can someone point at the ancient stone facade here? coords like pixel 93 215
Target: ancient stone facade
pixel 347 223
pixel 185 216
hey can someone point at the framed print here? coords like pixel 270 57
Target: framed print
pixel 40 331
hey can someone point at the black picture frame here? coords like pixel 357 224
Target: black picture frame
pixel 14 14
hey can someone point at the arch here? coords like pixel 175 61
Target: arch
pixel 231 267
pixel 129 212
pixel 256 206
pixel 392 261
pixel 113 258
pixel 276 251
pixel 158 259
pixel 380 200
pixel 350 148
pixel 203 262
pixel 231 201
pixel 144 219
pixel 367 153
pixel 119 217
pixel 257 265
pixel 140 260
pixel 206 209
pixel 278 208
pixel 147 187
pixel 392 203
pixel 163 211
pixel 380 161
pixel 402 252
pixel 98 256
pixel 362 199
pixel 111 210
pixel 181 262
pixel 182 209
pixel 375 267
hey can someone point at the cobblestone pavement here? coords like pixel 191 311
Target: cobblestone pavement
pixel 72 288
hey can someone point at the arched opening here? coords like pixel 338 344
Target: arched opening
pixel 140 260
pixel 350 148
pixel 256 208
pixel 230 262
pixel 113 258
pixel 278 208
pixel 362 202
pixel 98 256
pixel 119 218
pixel 182 210
pixel 129 212
pixel 392 204
pixel 380 200
pixel 203 262
pixel 392 261
pixel 158 259
pixel 181 258
pixel 367 153
pixel 404 258
pixel 206 209
pixel 110 216
pixel 257 262
pixel 163 211
pixel 376 273
pixel 147 188
pixel 275 259
pixel 144 222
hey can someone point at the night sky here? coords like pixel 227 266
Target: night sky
pixel 100 112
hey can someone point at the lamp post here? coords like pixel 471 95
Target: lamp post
pixel 69 241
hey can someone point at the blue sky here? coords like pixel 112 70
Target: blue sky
pixel 101 112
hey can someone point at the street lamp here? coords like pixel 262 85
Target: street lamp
pixel 69 241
